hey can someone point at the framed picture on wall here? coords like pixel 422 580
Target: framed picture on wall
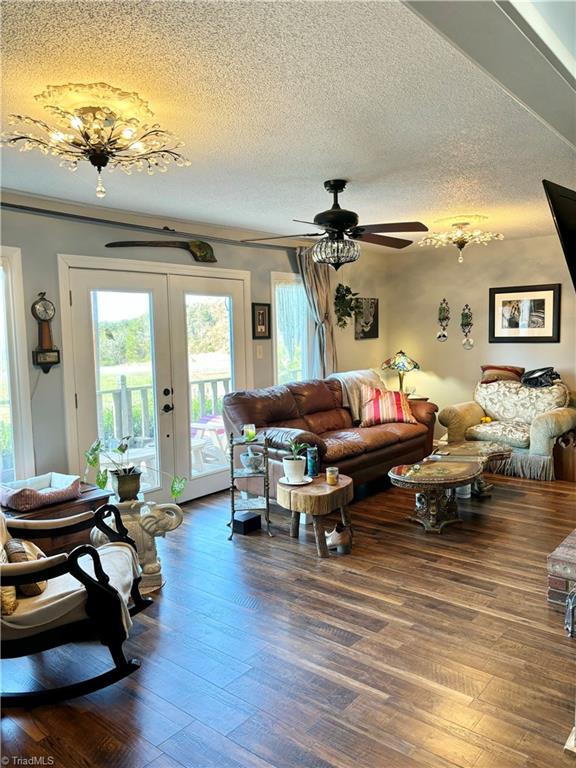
pixel 528 313
pixel 366 320
pixel 260 321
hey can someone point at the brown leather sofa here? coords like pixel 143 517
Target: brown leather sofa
pixel 312 412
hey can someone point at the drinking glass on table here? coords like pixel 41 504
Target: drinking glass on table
pixel 249 431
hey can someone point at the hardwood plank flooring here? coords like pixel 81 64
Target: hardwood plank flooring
pixel 416 651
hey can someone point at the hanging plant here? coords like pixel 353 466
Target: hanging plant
pixel 345 305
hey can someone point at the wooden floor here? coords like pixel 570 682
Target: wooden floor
pixel 416 650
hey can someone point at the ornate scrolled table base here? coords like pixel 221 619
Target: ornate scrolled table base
pixel 435 509
pixel 145 521
pixel 434 483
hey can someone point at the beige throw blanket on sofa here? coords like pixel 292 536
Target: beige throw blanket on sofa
pixel 352 382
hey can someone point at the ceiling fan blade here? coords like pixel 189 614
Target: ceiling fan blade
pixel 389 242
pixel 402 226
pixel 320 226
pixel 280 237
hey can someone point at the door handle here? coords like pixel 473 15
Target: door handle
pixel 167 408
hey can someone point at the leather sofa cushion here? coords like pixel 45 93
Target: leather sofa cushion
pixel 271 405
pixel 404 432
pixel 377 437
pixel 312 396
pixel 328 421
pixel 341 444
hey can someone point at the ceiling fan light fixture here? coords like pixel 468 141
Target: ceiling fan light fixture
pixel 335 252
pixel 460 235
pixel 98 123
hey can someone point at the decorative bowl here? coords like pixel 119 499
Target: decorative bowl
pixel 252 461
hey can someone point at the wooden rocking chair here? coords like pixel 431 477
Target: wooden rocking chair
pixel 79 603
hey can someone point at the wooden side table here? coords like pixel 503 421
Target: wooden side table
pixel 91 498
pixel 316 499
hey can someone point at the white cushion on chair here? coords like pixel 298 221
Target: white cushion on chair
pixel 513 433
pixel 64 599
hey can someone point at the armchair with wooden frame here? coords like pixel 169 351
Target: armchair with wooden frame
pixel 91 593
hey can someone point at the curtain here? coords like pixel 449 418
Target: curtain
pixel 316 281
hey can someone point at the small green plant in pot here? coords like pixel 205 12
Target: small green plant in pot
pixel 124 477
pixel 295 465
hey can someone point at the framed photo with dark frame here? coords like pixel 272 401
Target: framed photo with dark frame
pixel 525 314
pixel 260 321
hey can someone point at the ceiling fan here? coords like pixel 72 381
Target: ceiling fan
pixel 341 229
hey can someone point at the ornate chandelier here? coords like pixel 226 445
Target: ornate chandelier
pixel 335 251
pixel 460 234
pixel 104 125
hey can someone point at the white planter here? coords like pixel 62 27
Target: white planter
pixel 294 469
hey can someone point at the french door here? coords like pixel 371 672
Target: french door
pixel 154 355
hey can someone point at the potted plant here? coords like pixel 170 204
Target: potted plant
pixel 345 305
pixel 295 465
pixel 125 477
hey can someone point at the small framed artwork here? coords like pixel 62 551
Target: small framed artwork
pixel 528 313
pixel 260 321
pixel 366 320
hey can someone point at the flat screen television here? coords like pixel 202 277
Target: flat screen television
pixel 562 203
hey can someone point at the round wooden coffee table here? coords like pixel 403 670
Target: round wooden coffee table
pixel 433 482
pixel 316 499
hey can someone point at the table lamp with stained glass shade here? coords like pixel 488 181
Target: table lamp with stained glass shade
pixel 401 363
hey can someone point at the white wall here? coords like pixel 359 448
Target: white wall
pixel 417 283
pixel 367 277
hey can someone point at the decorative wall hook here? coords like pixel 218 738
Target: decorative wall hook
pixel 443 320
pixel 466 325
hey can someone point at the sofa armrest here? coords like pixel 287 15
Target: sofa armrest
pixel 457 418
pixel 423 412
pixel 279 438
pixel 546 427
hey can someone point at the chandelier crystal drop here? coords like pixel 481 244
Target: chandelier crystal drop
pixel 335 251
pixel 98 123
pixel 460 234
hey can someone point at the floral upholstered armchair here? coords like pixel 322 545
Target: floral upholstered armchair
pixel 527 419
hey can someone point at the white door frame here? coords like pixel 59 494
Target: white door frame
pixel 66 262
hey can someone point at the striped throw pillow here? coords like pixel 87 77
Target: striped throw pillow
pixel 380 406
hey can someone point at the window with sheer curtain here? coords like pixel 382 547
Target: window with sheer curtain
pixel 291 337
pixel 16 452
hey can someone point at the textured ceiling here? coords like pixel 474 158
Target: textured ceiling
pixel 271 98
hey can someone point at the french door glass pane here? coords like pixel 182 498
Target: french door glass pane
pixel 209 344
pixel 292 331
pixel 7 458
pixel 125 382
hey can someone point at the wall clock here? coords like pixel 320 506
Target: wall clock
pixel 46 354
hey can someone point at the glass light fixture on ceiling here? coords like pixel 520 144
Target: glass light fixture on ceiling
pixel 96 122
pixel 335 251
pixel 460 234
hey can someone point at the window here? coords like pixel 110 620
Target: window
pixel 292 328
pixel 16 451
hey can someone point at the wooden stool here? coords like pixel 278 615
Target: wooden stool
pixel 316 499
